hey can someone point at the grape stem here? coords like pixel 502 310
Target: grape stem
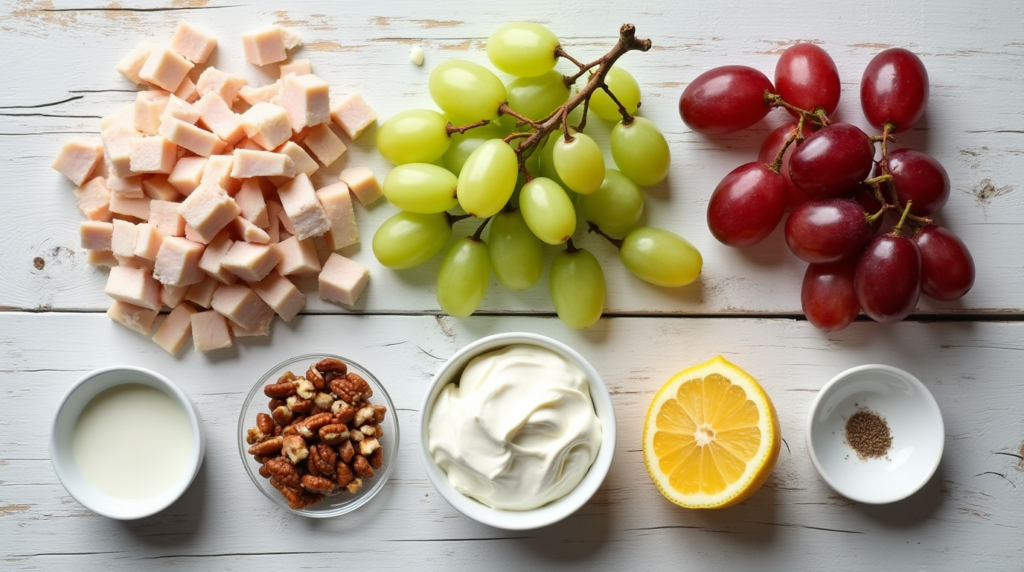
pixel 480 230
pixel 506 110
pixel 617 242
pixel 560 53
pixel 570 247
pixel 776 164
pixel 898 231
pixel 452 219
pixel 818 115
pixel 627 119
pixel 464 128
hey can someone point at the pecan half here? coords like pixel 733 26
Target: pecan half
pixel 283 471
pixel 275 403
pixel 334 433
pixel 300 405
pixel 315 378
pixel 267 447
pixel 279 390
pixel 351 389
pixel 343 412
pixel 377 459
pixel 343 475
pixel 309 426
pixel 265 423
pixel 361 467
pixel 282 415
pixel 292 495
pixel 346 451
pixel 331 366
pixel 317 484
pixel 265 473
pixel 324 457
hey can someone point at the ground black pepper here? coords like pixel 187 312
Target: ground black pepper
pixel 868 434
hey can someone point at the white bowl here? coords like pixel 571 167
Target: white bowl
pixel 555 510
pixel 914 420
pixel 63 427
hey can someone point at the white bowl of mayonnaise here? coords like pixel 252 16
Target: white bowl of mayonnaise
pixel 517 431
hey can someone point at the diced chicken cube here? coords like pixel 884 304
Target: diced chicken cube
pixel 251 262
pixel 100 258
pixel 123 236
pixel 363 184
pixel 135 262
pixel 250 199
pixel 242 306
pixel 123 117
pixel 324 144
pixel 268 45
pixel 96 235
pixel 214 254
pixel 343 280
pixel 274 212
pixel 164 69
pixel 240 332
pixel 147 241
pixel 152 155
pixel 249 232
pixel 187 90
pixel 353 115
pixel 191 234
pixel 267 124
pixel 117 149
pixel 139 319
pixel 149 106
pixel 127 187
pixel 217 171
pixel 164 217
pixel 216 114
pixel 249 164
pixel 187 174
pixel 280 294
pixel 132 63
pixel 193 44
pixel 298 257
pixel 223 84
pixel 264 94
pixel 178 108
pixel 201 293
pixel 177 262
pixel 303 162
pixel 210 331
pixel 286 223
pixel 306 98
pixel 134 286
pixel 158 188
pixel 172 296
pixel 207 210
pixel 248 144
pixel 337 203
pixel 297 67
pixel 196 140
pixel 177 328
pixel 303 209
pixel 78 158
pixel 94 199
pixel 137 208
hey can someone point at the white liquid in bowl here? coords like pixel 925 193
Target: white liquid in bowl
pixel 132 441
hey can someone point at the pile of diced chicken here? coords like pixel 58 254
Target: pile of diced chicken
pixel 207 207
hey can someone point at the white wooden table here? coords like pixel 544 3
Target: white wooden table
pixel 58 79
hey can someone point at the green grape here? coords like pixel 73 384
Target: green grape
pixel 413 136
pixel 463 277
pixel 616 206
pixel 465 143
pixel 517 255
pixel 465 91
pixel 488 178
pixel 626 90
pixel 410 239
pixel 421 188
pixel 545 161
pixel 547 210
pixel 579 163
pixel 534 97
pixel 522 49
pixel 577 288
pixel 660 257
pixel 641 152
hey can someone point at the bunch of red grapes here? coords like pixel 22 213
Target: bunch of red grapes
pixel 826 175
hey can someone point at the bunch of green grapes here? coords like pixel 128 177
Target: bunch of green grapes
pixel 505 155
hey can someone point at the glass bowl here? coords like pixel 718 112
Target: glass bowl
pixel 336 503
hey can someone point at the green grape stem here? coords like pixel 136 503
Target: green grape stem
pixel 480 230
pixel 627 119
pixel 570 247
pixel 523 120
pixel 464 128
pixel 452 219
pixel 898 231
pixel 818 115
pixel 616 242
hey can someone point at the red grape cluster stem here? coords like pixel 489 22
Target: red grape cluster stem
pixel 818 116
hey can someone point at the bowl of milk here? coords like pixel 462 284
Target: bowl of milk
pixel 126 442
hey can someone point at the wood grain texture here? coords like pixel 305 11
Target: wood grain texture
pixel 967 517
pixel 62 79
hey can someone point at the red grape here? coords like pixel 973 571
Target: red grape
pixel 918 178
pixel 770 148
pixel 827 230
pixel 807 77
pixel 725 99
pixel 947 268
pixel 833 161
pixel 747 205
pixel 894 89
pixel 888 278
pixel 828 297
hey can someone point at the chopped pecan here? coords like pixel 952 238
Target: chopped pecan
pixel 377 458
pixel 317 484
pixel 346 451
pixel 300 405
pixel 378 413
pixel 334 433
pixel 267 447
pixel 368 446
pixel 253 435
pixel 355 485
pixel 323 401
pixel 343 474
pixel 363 415
pixel 294 447
pixel 305 388
pixel 343 412
pixel 356 436
pixel 283 471
pixel 265 423
pixel 309 426
pixel 351 389
pixel 324 457
pixel 279 390
pixel 361 467
pixel 368 430
pixel 283 416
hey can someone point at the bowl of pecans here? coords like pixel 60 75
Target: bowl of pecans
pixel 318 435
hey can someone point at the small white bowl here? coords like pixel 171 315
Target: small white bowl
pixel 555 510
pixel 63 458
pixel 914 420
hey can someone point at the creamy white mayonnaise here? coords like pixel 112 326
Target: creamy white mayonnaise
pixel 518 431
